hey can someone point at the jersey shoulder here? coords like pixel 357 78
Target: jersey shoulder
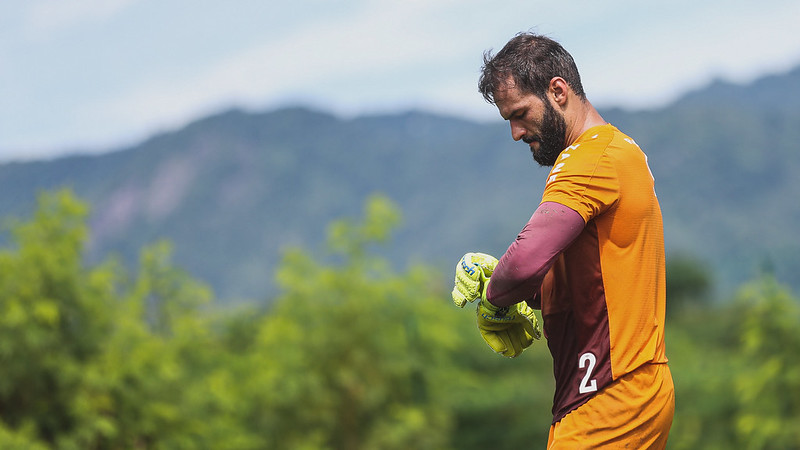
pixel 584 178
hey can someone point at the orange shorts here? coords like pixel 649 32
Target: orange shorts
pixel 633 412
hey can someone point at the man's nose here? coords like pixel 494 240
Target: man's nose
pixel 517 132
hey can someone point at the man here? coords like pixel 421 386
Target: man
pixel 591 257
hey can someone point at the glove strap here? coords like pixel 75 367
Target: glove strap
pixel 494 313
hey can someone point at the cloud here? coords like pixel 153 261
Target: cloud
pixel 351 57
pixel 373 43
pixel 48 17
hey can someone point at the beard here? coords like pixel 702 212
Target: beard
pixel 552 137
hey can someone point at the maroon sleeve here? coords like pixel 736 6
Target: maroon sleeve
pixel 520 271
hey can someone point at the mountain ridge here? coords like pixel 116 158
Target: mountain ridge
pixel 233 189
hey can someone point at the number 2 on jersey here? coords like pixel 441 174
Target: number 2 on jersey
pixel 588 384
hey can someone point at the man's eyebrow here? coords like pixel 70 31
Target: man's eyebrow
pixel 514 113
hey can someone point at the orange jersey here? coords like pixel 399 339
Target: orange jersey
pixel 633 412
pixel 603 300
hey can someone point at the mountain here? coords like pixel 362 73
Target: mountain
pixel 726 162
pixel 234 189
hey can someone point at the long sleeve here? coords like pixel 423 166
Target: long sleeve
pixel 520 271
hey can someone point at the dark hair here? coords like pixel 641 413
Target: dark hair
pixel 532 61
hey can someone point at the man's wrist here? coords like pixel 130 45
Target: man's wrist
pixel 493 310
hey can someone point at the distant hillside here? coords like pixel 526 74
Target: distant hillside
pixel 232 190
pixel 726 161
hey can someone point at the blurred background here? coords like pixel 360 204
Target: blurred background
pixel 233 224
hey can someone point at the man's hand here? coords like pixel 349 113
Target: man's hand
pixel 508 330
pixel 472 276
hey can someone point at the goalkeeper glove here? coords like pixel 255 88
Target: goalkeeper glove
pixel 472 276
pixel 508 330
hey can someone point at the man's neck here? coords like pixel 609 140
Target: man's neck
pixel 584 117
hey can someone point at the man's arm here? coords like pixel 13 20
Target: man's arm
pixel 519 274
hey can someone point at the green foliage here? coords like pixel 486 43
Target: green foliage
pixel 357 352
pixel 351 239
pixel 702 355
pixel 689 283
pixel 736 372
pixel 387 360
pixel 92 357
pixel 369 341
pixel 768 386
pixel 52 320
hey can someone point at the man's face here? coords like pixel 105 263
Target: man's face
pixel 534 121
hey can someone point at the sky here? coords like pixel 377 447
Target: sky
pixel 95 75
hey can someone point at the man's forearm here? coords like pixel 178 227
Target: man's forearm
pixel 519 274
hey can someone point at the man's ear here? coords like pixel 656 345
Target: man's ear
pixel 558 90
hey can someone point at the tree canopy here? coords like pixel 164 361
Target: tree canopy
pixel 355 352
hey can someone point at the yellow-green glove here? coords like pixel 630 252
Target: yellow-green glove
pixel 472 276
pixel 508 330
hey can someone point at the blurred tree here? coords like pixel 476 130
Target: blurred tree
pixel 357 352
pixel 94 357
pixel 353 352
pixel 736 371
pixel 768 386
pixel 360 353
pixel 156 361
pixel 703 356
pixel 689 283
pixel 19 439
pixel 52 319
